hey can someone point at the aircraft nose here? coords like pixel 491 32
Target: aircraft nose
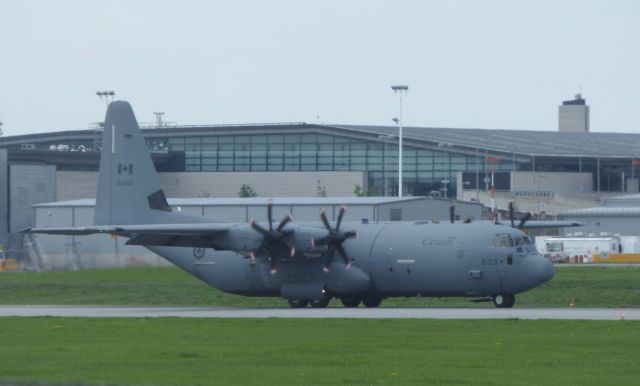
pixel 538 270
pixel 547 270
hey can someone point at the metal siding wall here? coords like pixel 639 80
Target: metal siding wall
pixel 75 185
pixel 4 193
pixel 225 213
pixel 83 216
pixel 307 212
pixel 354 213
pixel 29 185
pixel 623 225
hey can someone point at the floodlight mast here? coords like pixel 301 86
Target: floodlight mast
pixel 106 94
pixel 401 90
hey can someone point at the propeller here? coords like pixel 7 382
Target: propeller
pixel 511 213
pixel 524 220
pixel 334 239
pixel 273 240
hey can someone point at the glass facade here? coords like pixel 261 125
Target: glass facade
pixel 425 171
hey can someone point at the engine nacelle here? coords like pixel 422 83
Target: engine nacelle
pixel 347 281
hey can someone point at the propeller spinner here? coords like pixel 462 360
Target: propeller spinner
pixel 334 239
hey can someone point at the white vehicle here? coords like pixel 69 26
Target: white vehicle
pixel 561 249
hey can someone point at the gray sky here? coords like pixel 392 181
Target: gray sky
pixel 484 64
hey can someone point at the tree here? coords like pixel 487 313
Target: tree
pixel 358 191
pixel 247 191
pixel 321 190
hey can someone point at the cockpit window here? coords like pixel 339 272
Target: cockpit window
pixel 503 241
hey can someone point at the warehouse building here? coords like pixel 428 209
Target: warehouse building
pixel 73 252
pixel 617 215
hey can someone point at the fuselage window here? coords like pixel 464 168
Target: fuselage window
pixel 510 259
pixel 503 241
pixel 519 244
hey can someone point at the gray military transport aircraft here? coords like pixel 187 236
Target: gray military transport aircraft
pixel 306 263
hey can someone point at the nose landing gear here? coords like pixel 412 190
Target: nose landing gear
pixel 504 300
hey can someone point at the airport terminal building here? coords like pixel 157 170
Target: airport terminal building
pixel 545 171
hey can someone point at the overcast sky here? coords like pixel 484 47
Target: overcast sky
pixel 469 64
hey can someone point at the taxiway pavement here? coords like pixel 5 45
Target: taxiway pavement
pixel 354 313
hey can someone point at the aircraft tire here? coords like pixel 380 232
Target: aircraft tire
pixel 371 301
pixel 351 302
pixel 510 301
pixel 320 303
pixel 504 300
pixel 297 303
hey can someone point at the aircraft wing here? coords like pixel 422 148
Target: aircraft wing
pixel 538 224
pixel 177 235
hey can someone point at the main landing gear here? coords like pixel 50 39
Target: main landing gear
pixel 504 300
pixel 370 301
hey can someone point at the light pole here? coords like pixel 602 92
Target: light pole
pixel 385 138
pixel 445 146
pixel 401 91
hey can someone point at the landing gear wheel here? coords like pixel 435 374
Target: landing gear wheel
pixel 350 302
pixel 298 303
pixel 504 300
pixel 320 303
pixel 511 301
pixel 371 301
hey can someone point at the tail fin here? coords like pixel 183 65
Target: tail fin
pixel 129 189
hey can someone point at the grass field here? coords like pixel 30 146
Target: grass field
pixel 296 352
pixel 591 286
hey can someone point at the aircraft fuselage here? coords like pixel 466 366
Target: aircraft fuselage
pixel 388 259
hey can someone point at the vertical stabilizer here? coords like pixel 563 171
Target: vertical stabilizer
pixel 129 189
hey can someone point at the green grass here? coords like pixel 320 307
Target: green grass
pixel 172 351
pixel 591 286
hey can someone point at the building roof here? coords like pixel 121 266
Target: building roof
pixel 259 201
pixel 517 142
pixel 602 211
pixel 524 142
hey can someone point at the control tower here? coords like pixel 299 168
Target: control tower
pixel 573 115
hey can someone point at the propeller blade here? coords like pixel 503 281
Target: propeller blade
pixel 525 219
pixel 343 253
pixel 340 214
pixel 284 222
pixel 452 213
pixel 323 216
pixel 258 228
pixel 327 262
pixel 292 248
pixel 274 268
pixel 270 215
pixel 511 212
